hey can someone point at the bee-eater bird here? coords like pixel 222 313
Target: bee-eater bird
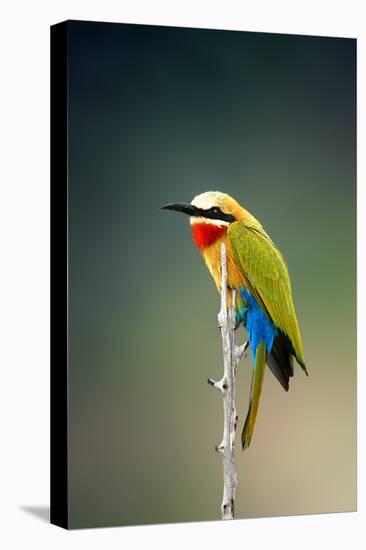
pixel 258 272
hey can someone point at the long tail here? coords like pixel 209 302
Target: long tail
pixel 257 382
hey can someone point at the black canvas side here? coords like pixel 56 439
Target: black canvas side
pixel 59 310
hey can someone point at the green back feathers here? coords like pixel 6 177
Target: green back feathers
pixel 268 278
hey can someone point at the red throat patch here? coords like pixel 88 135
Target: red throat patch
pixel 205 234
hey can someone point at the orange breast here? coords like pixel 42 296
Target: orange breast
pixel 212 257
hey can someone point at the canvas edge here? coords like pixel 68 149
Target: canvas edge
pixel 59 275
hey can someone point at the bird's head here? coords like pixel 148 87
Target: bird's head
pixel 212 207
pixel 210 215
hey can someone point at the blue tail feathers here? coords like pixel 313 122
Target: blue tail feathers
pixel 258 327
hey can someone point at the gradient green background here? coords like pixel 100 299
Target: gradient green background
pixel 159 115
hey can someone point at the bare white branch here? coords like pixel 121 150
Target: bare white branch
pixel 240 351
pixel 232 355
pixel 220 385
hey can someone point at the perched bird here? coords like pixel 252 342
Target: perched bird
pixel 258 272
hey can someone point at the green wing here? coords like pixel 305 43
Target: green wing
pixel 268 279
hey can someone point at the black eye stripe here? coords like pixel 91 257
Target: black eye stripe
pixel 216 213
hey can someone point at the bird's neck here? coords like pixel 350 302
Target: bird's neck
pixel 205 234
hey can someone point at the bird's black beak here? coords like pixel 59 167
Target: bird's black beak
pixel 182 207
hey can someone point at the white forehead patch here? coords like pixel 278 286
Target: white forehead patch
pixel 208 199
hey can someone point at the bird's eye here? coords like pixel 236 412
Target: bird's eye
pixel 215 210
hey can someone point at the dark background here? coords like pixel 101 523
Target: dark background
pixel 159 115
